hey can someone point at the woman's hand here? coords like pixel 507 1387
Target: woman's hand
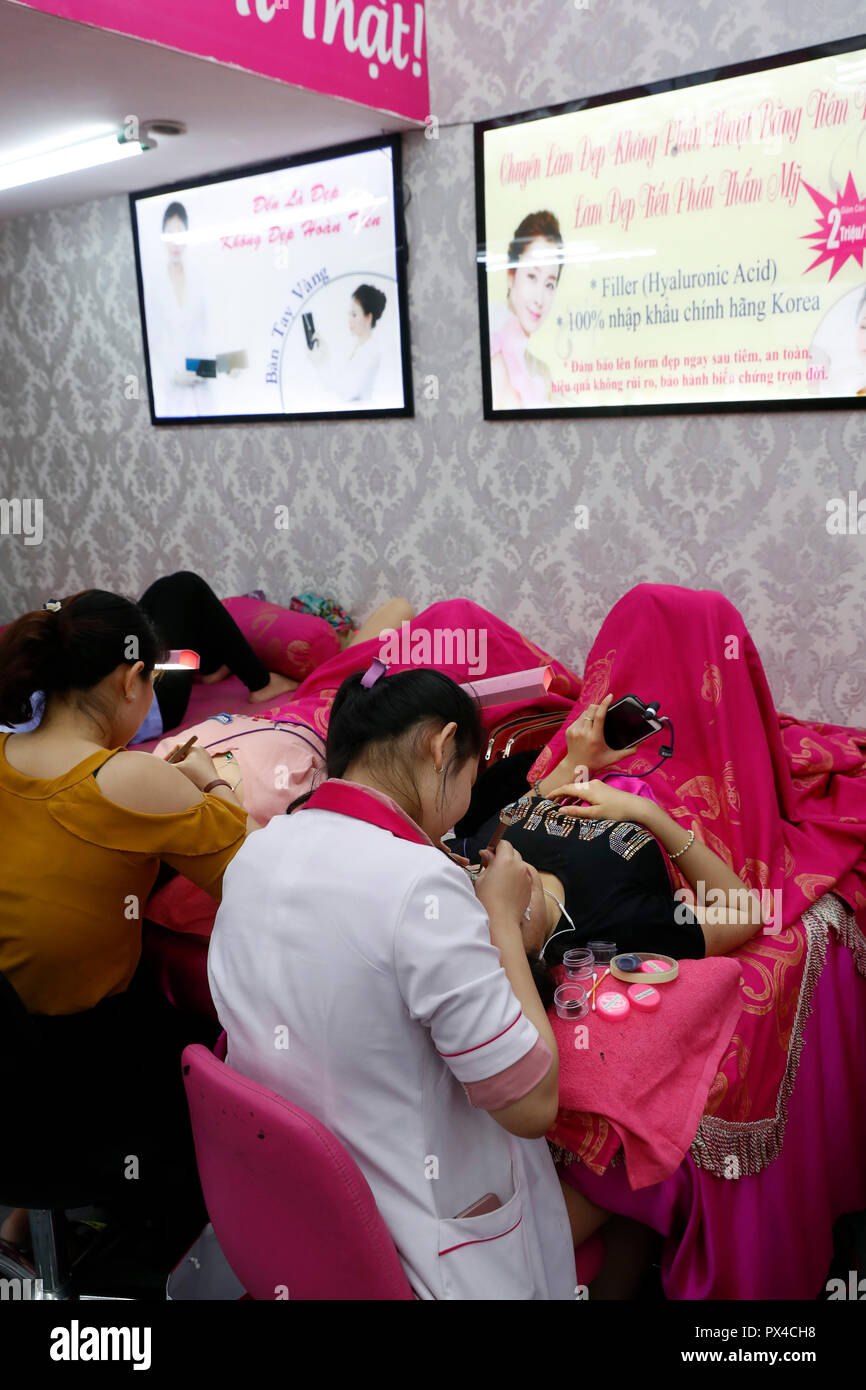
pixel 602 802
pixel 198 766
pixel 584 740
pixel 504 885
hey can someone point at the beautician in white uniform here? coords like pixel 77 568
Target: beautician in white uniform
pixel 415 1030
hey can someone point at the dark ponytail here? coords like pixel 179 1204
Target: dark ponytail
pixel 374 721
pixel 72 648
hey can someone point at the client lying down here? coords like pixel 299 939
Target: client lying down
pixel 603 862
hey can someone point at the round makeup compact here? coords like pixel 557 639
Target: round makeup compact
pixel 644 998
pixel 612 1005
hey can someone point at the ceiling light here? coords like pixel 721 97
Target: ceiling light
pixel 43 163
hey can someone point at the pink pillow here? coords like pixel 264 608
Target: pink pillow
pixel 292 643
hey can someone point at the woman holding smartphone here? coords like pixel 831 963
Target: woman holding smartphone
pixel 603 859
pixel 416 1033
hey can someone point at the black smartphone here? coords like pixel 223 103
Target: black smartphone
pixel 627 723
pixel 309 329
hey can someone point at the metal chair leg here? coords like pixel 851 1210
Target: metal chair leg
pixel 49 1254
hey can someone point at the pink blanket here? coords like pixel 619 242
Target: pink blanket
pixel 504 648
pixel 781 800
pixel 650 1075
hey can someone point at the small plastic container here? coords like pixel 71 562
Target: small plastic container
pixel 571 1002
pixel 603 952
pixel 578 965
pixel 654 967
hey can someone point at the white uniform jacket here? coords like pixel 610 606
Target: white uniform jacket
pixel 349 928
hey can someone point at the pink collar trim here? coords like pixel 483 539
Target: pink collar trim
pixel 364 803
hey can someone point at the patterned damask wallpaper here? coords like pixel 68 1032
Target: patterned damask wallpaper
pixel 445 504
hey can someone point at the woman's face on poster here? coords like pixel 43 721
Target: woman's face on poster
pixel 174 228
pixel 359 322
pixel 533 284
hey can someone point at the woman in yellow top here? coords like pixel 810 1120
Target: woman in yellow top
pixel 85 823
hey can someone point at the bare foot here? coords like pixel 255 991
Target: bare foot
pixel 16 1227
pixel 222 674
pixel 277 685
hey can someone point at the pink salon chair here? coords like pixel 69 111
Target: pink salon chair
pixel 293 1214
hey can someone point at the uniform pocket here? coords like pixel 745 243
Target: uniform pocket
pixel 484 1257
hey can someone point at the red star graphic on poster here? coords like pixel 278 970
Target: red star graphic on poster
pixel 841 227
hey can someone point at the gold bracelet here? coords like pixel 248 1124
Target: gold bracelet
pixel 687 845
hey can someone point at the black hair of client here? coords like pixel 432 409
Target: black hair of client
pixel 71 649
pixel 383 724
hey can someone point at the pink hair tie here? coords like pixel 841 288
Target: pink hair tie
pixel 376 669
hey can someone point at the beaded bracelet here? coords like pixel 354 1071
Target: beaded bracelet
pixel 687 845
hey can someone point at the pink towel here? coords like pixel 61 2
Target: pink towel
pixel 650 1074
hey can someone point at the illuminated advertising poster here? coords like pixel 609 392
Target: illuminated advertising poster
pixel 692 246
pixel 277 292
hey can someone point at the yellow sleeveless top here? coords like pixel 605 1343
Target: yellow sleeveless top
pixel 77 870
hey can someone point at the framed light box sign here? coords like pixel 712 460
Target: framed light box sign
pixel 277 291
pixel 695 244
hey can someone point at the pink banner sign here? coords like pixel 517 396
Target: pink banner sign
pixel 373 54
